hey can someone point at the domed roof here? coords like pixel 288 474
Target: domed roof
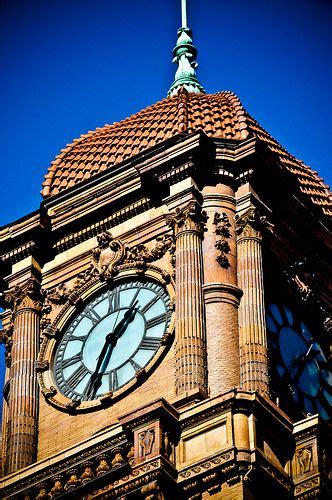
pixel 218 115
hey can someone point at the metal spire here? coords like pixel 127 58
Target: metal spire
pixel 184 54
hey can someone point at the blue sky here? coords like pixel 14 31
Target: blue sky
pixel 69 66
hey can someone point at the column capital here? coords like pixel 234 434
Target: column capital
pixel 24 296
pixel 190 218
pixel 251 223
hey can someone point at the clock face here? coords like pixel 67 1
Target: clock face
pixel 112 339
pixel 300 361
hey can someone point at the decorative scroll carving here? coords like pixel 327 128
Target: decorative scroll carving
pixel 107 260
pixel 250 224
pixel 26 296
pixel 223 226
pixel 189 218
pixel 140 253
pixel 109 252
pixel 304 488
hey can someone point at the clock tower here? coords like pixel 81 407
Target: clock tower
pixel 166 312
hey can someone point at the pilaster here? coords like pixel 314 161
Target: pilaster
pixel 22 428
pixel 191 364
pixel 253 340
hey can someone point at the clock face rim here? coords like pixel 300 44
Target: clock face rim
pixel 122 354
pixel 292 373
pixel 66 316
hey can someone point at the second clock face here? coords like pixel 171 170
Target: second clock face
pixel 113 338
pixel 300 361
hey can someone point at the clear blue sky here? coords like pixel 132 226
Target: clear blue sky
pixel 69 66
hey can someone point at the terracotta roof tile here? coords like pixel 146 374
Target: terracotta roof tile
pixel 219 115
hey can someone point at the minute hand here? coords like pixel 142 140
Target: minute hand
pixel 122 325
pixel 106 352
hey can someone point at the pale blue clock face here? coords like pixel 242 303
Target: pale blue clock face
pixel 113 338
pixel 300 361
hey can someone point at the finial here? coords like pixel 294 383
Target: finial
pixel 184 54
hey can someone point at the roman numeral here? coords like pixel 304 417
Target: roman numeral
pixel 149 304
pixel 114 380
pixel 136 366
pixel 71 361
pixel 114 299
pixel 76 377
pixel 79 337
pixel 156 321
pixel 150 343
pixel 92 315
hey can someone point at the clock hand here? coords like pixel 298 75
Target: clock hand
pixel 106 352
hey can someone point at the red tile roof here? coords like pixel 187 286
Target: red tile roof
pixel 219 115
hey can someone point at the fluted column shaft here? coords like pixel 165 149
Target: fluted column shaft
pixel 23 399
pixel 253 340
pixel 221 293
pixel 191 365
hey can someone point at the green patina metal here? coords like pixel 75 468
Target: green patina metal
pixel 184 54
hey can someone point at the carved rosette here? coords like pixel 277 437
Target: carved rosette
pixel 190 219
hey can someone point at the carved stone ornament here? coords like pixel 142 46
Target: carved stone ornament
pixel 304 461
pixel 189 218
pixel 26 296
pixel 146 441
pixel 302 278
pixel 106 260
pixel 109 252
pixel 223 226
pixel 6 339
pixel 250 224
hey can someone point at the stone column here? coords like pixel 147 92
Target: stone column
pixel 221 293
pixel 191 364
pixel 24 395
pixel 253 340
